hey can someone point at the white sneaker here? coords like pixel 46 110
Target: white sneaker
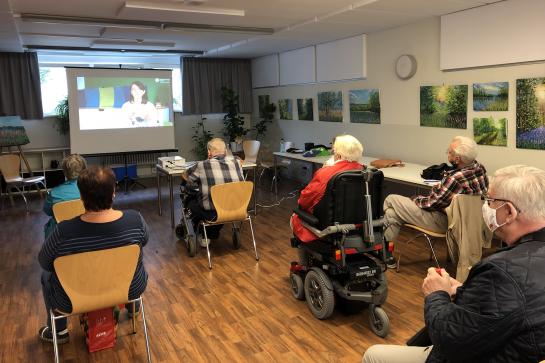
pixel 203 241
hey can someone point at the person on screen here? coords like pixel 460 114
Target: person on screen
pixel 138 109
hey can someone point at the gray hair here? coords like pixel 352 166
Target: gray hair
pixel 216 146
pixel 73 165
pixel 466 149
pixel 348 148
pixel 522 185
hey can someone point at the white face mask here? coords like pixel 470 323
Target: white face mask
pixel 489 215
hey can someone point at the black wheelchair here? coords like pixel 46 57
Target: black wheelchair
pixel 346 262
pixel 185 230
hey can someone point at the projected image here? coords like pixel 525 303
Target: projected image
pixel 122 102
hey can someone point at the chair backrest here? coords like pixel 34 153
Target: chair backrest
pixel 231 200
pixel 251 150
pixel 10 166
pixel 98 279
pixel 344 200
pixel 63 211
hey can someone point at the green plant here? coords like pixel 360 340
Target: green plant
pixel 233 123
pixel 200 137
pixel 63 118
pixel 268 114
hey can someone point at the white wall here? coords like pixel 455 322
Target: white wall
pixel 400 134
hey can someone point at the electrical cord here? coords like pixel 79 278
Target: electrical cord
pixel 289 195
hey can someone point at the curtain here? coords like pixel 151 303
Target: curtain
pixel 203 78
pixel 20 93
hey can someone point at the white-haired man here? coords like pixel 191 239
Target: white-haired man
pixel 427 211
pixel 217 169
pixel 347 153
pixel 498 313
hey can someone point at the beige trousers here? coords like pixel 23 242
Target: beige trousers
pixel 396 354
pixel 399 210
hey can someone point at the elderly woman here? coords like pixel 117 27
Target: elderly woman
pixel 347 151
pixel 72 166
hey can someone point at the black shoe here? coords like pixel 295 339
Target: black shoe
pixel 391 262
pixel 46 334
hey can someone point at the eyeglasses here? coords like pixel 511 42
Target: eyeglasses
pixel 489 200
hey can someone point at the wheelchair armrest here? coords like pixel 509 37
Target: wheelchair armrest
pixel 306 217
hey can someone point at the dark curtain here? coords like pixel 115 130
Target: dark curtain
pixel 20 93
pixel 203 78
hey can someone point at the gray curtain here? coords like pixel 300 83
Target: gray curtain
pixel 203 78
pixel 20 93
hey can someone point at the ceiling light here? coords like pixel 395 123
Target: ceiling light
pixel 170 6
pixel 131 43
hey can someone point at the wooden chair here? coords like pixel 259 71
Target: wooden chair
pixel 97 280
pixel 10 167
pixel 251 150
pixel 63 211
pixel 231 203
pixel 428 235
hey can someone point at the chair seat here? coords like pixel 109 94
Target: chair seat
pixel 426 231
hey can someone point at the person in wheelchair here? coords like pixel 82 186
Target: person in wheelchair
pixel 198 180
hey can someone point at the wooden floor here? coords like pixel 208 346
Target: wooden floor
pixel 242 310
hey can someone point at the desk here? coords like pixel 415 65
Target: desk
pixel 169 173
pixel 409 174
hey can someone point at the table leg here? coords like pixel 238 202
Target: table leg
pixel 159 192
pixel 171 200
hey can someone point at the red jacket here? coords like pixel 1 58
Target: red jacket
pixel 313 193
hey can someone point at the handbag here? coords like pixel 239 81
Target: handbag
pixel 386 163
pixel 436 172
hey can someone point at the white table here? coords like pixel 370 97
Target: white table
pixel 169 173
pixel 410 173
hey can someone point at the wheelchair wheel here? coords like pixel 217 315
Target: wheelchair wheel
pixel 380 324
pixel 320 297
pixel 191 245
pixel 297 288
pixel 236 238
pixel 180 231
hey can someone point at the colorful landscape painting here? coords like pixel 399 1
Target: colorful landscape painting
pixel 443 106
pixel 305 109
pixel 285 107
pixel 531 113
pixel 330 106
pixel 488 131
pixel 491 96
pixel 364 106
pixel 262 101
pixel 12 132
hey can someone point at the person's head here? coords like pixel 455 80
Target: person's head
pixel 462 151
pixel 347 147
pixel 216 147
pixel 72 166
pixel 515 204
pixel 138 92
pixel 96 185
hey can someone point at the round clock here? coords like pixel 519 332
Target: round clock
pixel 405 66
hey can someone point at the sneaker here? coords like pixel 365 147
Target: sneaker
pixel 391 262
pixel 203 241
pixel 46 334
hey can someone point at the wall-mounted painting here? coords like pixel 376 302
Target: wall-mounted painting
pixel 443 106
pixel 531 113
pixel 330 106
pixel 491 96
pixel 364 106
pixel 285 107
pixel 262 101
pixel 12 132
pixel 305 109
pixel 488 131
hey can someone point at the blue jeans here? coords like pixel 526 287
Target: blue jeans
pixel 48 300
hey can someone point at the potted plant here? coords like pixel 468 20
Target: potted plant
pixel 268 114
pixel 63 119
pixel 200 137
pixel 233 123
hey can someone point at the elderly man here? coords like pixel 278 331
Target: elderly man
pixel 466 177
pixel 498 314
pixel 217 169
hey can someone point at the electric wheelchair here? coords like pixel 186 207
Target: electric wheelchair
pixel 346 262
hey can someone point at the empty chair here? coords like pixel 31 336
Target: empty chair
pixel 251 151
pixel 63 211
pixel 10 167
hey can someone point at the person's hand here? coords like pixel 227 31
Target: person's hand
pixel 454 285
pixel 435 282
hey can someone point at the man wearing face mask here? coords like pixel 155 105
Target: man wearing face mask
pixel 427 211
pixel 498 313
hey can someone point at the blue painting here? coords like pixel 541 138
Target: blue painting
pixel 364 106
pixel 491 96
pixel 12 132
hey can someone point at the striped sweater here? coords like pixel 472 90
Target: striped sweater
pixel 76 236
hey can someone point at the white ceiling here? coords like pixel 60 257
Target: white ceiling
pixel 288 24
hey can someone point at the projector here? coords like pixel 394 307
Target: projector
pixel 171 162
